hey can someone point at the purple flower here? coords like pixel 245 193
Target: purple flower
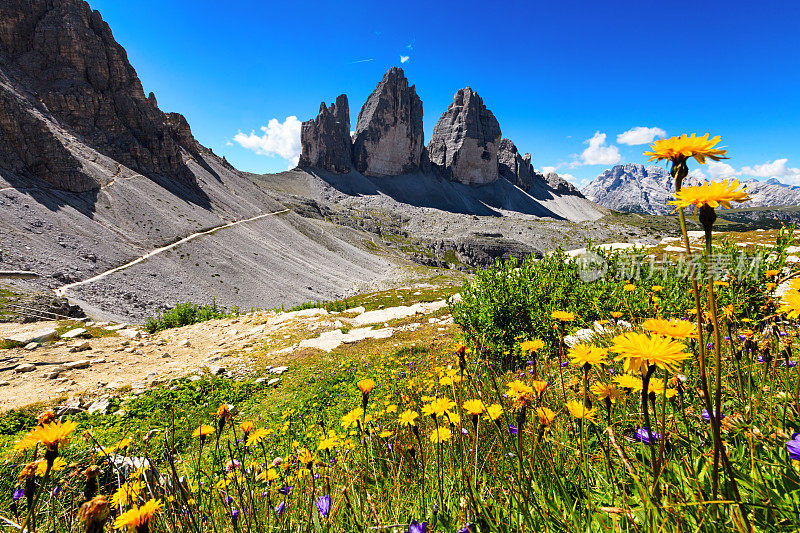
pixel 434 509
pixel 416 527
pixel 793 447
pixel 512 429
pixel 324 505
pixel 228 500
pixel 565 363
pixel 707 417
pixel 18 493
pixel 235 515
pixel 644 436
pixel 790 364
pixel 280 507
pixel 759 359
pixel 464 431
pixel 285 490
pixel 467 529
pixel 55 491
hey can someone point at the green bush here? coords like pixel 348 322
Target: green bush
pixel 512 301
pixel 184 314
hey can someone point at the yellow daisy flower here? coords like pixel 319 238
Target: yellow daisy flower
pixel 580 411
pixel 679 149
pixel 712 194
pixel 138 517
pixel 677 329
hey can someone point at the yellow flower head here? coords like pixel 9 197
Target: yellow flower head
pixel 256 436
pixel 247 427
pixel 224 412
pixel 616 314
pixel 539 386
pixel 656 288
pixel 50 435
pixel 545 415
pixel 518 387
pixel 493 412
pixel 58 464
pixel 562 316
pixel 677 329
pixel 712 194
pixel 28 471
pixel 352 418
pixel 771 273
pixel 628 381
pixel 407 417
pixel 532 346
pixel 580 411
pixel 138 517
pixel 203 431
pixel 629 287
pixel 366 386
pixel 438 407
pixel 639 349
pixel 440 434
pixel 604 391
pixel 128 493
pixel 587 354
pixel 679 149
pixel 791 304
pixel 656 386
pixel 46 417
pixel 474 407
pixel 305 456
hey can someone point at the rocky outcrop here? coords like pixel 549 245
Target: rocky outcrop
pixel 557 184
pixel 465 141
pixel 514 167
pixel 61 74
pixel 326 140
pixel 389 139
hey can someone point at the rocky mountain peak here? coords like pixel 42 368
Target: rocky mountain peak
pixel 389 139
pixel 326 140
pixel 63 74
pixel 465 141
pixel 514 167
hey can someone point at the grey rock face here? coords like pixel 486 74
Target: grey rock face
pixel 557 183
pixel 389 139
pixel 63 74
pixel 326 140
pixel 465 141
pixel 514 167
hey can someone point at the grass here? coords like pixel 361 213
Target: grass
pixel 187 313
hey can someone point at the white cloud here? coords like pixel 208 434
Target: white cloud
pixel 548 170
pixel 598 153
pixel 718 170
pixel 697 173
pixel 403 59
pixel 640 135
pixel 281 139
pixel 775 169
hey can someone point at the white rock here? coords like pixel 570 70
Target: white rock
pixel 31 346
pixel 80 363
pixel 184 343
pixel 279 370
pixel 71 334
pixel 130 333
pixel 273 381
pixel 40 335
pixel 25 367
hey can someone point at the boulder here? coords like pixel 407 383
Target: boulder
pixel 326 140
pixel 464 143
pixel 557 184
pixel 389 138
pixel 25 367
pixel 39 336
pixel 71 334
pixel 514 167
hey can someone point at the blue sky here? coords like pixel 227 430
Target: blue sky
pixel 555 74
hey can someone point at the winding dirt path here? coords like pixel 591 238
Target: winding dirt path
pixel 61 291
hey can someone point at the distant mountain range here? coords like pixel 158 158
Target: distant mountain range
pixel 634 188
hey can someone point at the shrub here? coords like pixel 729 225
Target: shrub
pixel 184 314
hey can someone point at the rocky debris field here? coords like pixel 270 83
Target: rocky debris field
pixel 82 364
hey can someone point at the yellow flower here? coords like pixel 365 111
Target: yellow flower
pixel 712 194
pixel 493 412
pixel 616 314
pixel 123 443
pixel 679 149
pixel 791 304
pixel 28 471
pixel 629 287
pixel 328 443
pixel 532 346
pixel 438 407
pixel 305 456
pixel 128 493
pixel 728 312
pixel 578 410
pixel 587 354
pixel 771 273
pixel 474 407
pixel 517 387
pixel 638 349
pixel 246 426
pixel 656 386
pixel 563 316
pixel 385 434
pixel 539 386
pixel 203 431
pixel 440 434
pixel 677 329
pixel 366 386
pixel 46 417
pixel 41 466
pixel 224 412
pixel 604 391
pixel 257 436
pixel 138 517
pixel 49 435
pixel 407 417
pixel 656 288
pixel 545 415
pixel 352 418
pixel 627 381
